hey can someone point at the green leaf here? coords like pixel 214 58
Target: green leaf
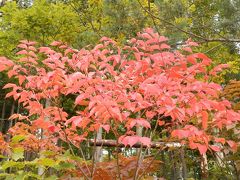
pixel 30 174
pixel 47 162
pixel 8 164
pixel 18 138
pixel 65 165
pixel 19 176
pixel 18 153
pixel 48 153
pixel 4 175
pixel 32 163
pixel 10 177
pixel 3 157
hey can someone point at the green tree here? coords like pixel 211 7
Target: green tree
pixel 42 22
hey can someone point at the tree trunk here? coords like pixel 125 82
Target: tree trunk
pixel 12 112
pixel 183 163
pixel 173 166
pixel 98 153
pixel 139 132
pixel 41 136
pixel 3 116
pixel 10 121
pixel 204 166
pixel 163 167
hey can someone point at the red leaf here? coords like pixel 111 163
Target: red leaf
pixel 63 47
pixel 218 68
pixel 80 98
pixel 14 116
pixel 205 60
pixel 192 145
pixel 204 120
pixel 162 39
pixel 32 54
pixel 202 148
pixel 150 114
pixel 191 59
pixel 56 43
pixel 9 85
pixel 161 123
pixel 31 43
pixel 11 73
pixel 145 141
pixel 188 49
pixel 106 128
pixel 174 74
pixel 104 39
pixel 143 122
pixel 75 120
pixel 215 148
pixel 22 52
pixel 191 43
pixel 41 123
pixel 23 46
pixel 2 67
pixel 179 133
pixel 10 94
pixel 233 145
pixel 32 48
pixel 52 128
pixel 21 78
pixel 164 46
pixel 46 50
pixel 132 140
pixel 146 35
pixel 129 140
pixel 220 140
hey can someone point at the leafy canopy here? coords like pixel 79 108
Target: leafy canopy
pixel 43 21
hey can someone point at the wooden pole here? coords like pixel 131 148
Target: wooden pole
pixel 113 143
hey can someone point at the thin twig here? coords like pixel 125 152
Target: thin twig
pixel 118 165
pixel 93 156
pixel 215 47
pixel 144 171
pixel 138 162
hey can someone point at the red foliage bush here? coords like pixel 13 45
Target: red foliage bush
pixel 116 87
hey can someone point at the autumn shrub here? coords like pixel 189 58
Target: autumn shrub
pixel 146 86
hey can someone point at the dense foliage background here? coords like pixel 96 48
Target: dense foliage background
pixel 213 24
